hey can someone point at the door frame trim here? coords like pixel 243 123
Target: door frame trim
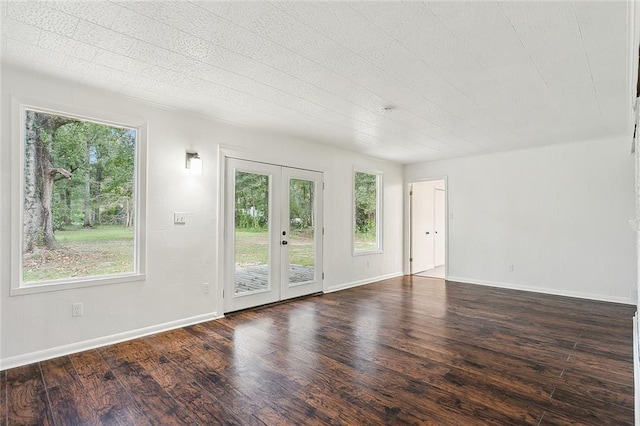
pixel 406 265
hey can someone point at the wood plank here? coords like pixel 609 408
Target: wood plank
pixel 150 398
pixel 68 400
pixel 109 398
pixel 607 391
pixel 182 386
pixel 3 398
pixel 582 408
pixel 27 397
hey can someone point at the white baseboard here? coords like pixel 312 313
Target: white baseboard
pixel 30 358
pixel 362 282
pixel 544 290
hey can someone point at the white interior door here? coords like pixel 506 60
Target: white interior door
pixel 422 232
pixel 273 233
pixel 439 227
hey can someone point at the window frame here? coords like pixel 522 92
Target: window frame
pixel 379 212
pixel 18 112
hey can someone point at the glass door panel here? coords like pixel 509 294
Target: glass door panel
pixel 302 231
pixel 251 232
pixel 252 240
pixel 301 268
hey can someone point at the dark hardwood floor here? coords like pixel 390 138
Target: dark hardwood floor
pixel 410 350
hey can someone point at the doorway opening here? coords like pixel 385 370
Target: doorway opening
pixel 273 238
pixel 428 230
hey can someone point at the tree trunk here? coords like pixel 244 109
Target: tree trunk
pixel 87 194
pixel 67 200
pixel 47 218
pixel 97 189
pixel 130 213
pixel 31 208
pixel 39 178
pixel 46 201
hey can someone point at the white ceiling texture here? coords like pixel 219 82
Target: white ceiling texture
pixel 463 78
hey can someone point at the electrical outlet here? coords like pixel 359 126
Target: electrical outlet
pixel 206 288
pixel 179 218
pixel 77 310
pixel 510 268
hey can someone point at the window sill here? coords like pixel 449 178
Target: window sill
pixel 66 284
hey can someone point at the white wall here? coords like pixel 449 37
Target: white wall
pixel 559 214
pixel 179 258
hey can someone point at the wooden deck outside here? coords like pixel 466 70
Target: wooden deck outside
pixel 408 350
pixel 255 277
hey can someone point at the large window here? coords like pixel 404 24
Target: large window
pixel 80 213
pixel 367 190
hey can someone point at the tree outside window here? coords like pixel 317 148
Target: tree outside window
pixel 79 198
pixel 367 214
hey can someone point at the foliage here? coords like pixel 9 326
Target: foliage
pixel 252 200
pixel 102 160
pixel 366 202
pixel 301 195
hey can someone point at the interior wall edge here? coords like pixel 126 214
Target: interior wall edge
pixel 43 355
pixel 358 283
pixel 545 290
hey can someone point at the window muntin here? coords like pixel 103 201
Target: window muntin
pixel 80 199
pixel 367 232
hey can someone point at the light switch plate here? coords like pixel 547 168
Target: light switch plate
pixel 179 218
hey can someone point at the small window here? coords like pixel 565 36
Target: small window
pixel 80 212
pixel 367 191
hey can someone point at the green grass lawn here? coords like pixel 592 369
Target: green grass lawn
pixel 106 249
pixel 100 233
pixel 365 241
pixel 252 247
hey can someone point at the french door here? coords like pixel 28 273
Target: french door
pixel 273 241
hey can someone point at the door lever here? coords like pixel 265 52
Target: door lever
pixel 284 243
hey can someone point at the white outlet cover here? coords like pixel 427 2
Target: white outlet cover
pixel 77 310
pixel 179 218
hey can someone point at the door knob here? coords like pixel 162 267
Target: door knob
pixel 284 243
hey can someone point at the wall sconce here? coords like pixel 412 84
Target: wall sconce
pixel 194 163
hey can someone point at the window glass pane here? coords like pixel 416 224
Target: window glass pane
pixel 251 232
pixel 78 198
pixel 302 230
pixel 366 212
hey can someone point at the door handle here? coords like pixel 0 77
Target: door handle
pixel 284 243
pixel 427 232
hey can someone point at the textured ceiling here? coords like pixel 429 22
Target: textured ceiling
pixel 463 77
